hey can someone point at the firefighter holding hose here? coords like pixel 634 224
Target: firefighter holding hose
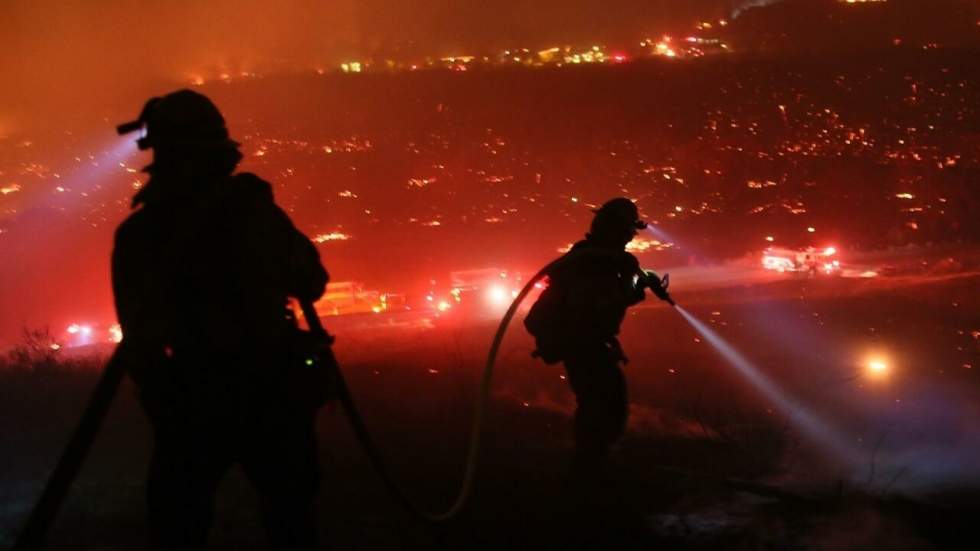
pixel 201 273
pixel 576 321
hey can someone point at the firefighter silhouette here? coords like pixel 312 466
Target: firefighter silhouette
pixel 201 273
pixel 576 321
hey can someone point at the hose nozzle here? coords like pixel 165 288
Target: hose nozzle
pixel 658 285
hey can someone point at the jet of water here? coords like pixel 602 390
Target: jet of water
pixel 814 427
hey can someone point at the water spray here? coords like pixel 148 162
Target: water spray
pixel 805 419
pixel 812 425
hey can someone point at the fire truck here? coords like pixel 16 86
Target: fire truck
pixel 810 260
pixel 477 293
pixel 349 297
pixel 489 289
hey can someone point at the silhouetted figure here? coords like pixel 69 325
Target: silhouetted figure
pixel 202 272
pixel 576 321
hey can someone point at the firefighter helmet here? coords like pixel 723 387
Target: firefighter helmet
pixel 621 210
pixel 181 118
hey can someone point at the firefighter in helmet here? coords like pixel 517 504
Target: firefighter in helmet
pixel 202 271
pixel 577 319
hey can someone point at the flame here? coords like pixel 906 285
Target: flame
pixel 332 236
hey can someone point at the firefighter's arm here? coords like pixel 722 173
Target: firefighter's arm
pixel 633 290
pixel 632 280
pixel 136 310
pixel 306 278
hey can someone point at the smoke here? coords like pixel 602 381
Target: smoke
pixel 57 57
pixel 749 4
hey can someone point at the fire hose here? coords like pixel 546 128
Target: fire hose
pixel 657 285
pixel 34 531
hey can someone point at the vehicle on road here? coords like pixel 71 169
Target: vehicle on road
pixel 810 260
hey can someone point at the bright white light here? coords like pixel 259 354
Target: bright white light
pixel 443 306
pixel 830 251
pixel 777 263
pixel 877 367
pixel 74 328
pixel 497 295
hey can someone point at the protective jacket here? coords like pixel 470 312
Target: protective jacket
pixel 586 300
pixel 209 273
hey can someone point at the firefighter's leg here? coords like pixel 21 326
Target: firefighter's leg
pixel 281 462
pixel 185 470
pixel 601 415
pixel 600 418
